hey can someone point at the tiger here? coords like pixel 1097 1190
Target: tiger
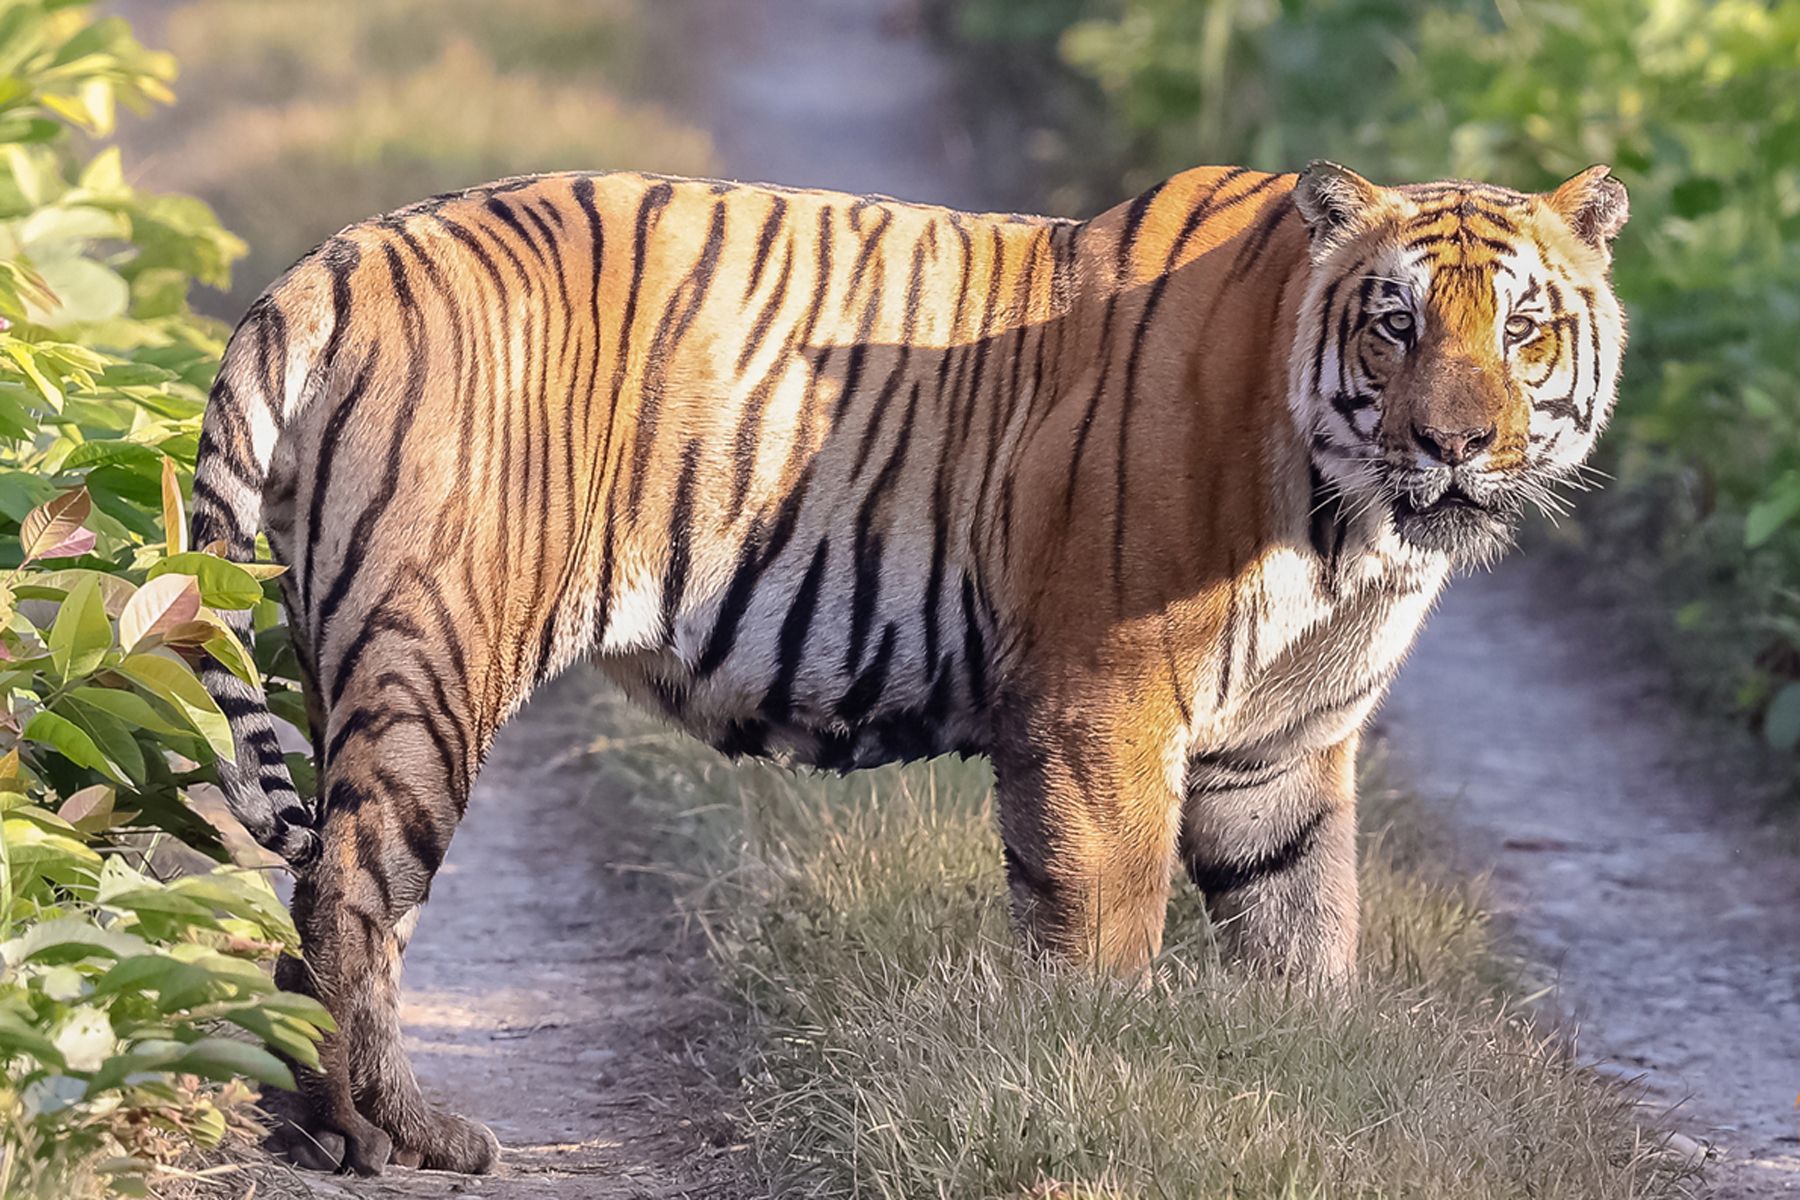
pixel 1146 508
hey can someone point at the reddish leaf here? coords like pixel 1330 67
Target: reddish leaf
pixel 162 606
pixel 78 542
pixel 51 523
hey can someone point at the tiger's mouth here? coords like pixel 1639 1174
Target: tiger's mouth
pixel 1452 497
pixel 1455 521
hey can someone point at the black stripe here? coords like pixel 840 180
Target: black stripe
pixel 867 552
pixel 406 405
pixel 1218 879
pixel 678 317
pixel 323 462
pixel 766 318
pixel 791 644
pixel 750 424
pixel 650 207
pixel 765 242
pixel 974 647
pixel 865 693
pixel 759 551
pixel 681 521
pixel 1228 645
pixel 1134 220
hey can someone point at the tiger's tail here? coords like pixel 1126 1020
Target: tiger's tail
pixel 261 384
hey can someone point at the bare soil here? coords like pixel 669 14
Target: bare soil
pixel 1628 850
pixel 841 94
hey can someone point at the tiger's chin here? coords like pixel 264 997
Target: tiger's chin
pixel 1470 532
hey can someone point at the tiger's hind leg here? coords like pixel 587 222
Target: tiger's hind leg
pixel 398 771
pixel 387 1092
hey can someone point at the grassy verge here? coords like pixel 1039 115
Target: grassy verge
pixel 896 1045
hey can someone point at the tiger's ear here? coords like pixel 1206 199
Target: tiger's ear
pixel 1594 204
pixel 1331 200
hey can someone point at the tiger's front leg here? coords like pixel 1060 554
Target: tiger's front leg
pixel 1088 815
pixel 1272 846
pixel 396 782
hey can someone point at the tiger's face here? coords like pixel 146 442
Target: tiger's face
pixel 1459 349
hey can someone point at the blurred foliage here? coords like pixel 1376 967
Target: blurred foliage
pixel 115 983
pixel 1695 103
pixel 301 116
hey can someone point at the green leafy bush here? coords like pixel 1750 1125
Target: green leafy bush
pixel 1694 104
pixel 119 977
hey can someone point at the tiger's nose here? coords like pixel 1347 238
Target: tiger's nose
pixel 1452 447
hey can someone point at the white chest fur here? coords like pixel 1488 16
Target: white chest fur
pixel 1308 653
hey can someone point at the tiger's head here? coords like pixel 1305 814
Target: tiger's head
pixel 1459 347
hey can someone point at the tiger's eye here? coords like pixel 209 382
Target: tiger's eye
pixel 1519 329
pixel 1397 325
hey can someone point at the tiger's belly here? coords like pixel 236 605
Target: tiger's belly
pixel 812 721
pixel 798 658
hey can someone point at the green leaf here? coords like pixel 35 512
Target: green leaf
pixel 54 585
pixel 302 1008
pixel 33 852
pixel 290 1037
pixel 147 1056
pixel 111 735
pixel 86 292
pixel 166 915
pixel 27 359
pixel 290 706
pixel 1767 516
pixel 18 1037
pixel 140 973
pixel 1696 197
pixel 223 584
pixel 175 685
pixel 244 894
pixel 67 939
pixel 71 223
pixel 225 647
pixel 71 741
pixel 82 634
pixel 20 493
pixel 131 708
pixel 108 453
pixel 1781 724
pixel 224 1060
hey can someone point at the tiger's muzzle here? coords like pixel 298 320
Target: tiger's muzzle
pixel 1467 511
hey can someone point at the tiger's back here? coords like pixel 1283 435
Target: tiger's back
pixel 740 442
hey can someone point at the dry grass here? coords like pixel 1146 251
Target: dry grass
pixel 898 1046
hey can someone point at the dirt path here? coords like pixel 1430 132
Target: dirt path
pixel 1624 851
pixel 829 93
